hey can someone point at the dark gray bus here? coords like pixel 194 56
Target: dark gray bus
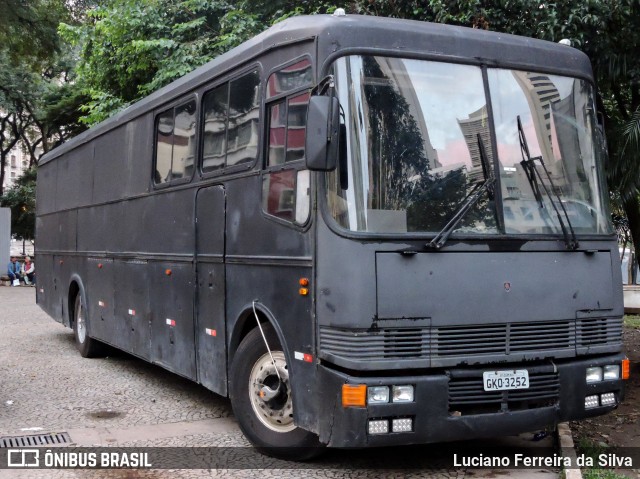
pixel 364 231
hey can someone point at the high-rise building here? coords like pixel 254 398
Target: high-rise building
pixel 477 123
pixel 17 163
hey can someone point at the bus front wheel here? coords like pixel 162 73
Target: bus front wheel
pixel 88 347
pixel 260 392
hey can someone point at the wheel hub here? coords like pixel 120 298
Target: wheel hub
pixel 270 395
pixel 80 325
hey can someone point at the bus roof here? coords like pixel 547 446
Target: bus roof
pixel 366 33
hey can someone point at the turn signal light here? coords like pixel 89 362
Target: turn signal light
pixel 625 369
pixel 354 395
pixel 303 291
pixel 167 272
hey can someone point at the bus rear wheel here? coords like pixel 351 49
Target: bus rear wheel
pixel 87 347
pixel 261 398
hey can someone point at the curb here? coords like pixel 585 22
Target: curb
pixel 567 449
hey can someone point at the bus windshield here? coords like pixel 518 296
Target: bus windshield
pixel 417 132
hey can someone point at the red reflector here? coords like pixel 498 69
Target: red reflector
pixel 307 358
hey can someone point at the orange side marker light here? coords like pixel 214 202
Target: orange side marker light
pixel 625 369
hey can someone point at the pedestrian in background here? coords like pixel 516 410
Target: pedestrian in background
pixel 14 271
pixel 28 271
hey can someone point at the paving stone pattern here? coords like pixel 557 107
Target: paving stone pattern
pixel 44 383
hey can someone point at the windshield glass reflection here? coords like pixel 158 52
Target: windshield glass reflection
pixel 557 117
pixel 413 154
pixel 414 131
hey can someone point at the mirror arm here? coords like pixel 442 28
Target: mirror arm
pixel 323 85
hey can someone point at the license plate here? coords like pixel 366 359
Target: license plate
pixel 505 380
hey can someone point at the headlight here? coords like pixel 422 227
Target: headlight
pixel 402 393
pixel 378 426
pixel 591 401
pixel 594 374
pixel 377 394
pixel 611 372
pixel 608 399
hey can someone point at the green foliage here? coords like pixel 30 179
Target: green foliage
pixel 593 450
pixel 632 321
pixel 28 30
pixel 130 48
pixel 37 103
pixel 21 199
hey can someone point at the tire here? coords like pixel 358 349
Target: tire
pixel 268 424
pixel 87 346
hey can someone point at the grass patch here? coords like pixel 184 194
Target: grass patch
pixel 601 474
pixel 593 450
pixel 632 321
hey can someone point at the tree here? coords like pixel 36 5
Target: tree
pixel 28 30
pixel 34 78
pixel 21 199
pixel 129 48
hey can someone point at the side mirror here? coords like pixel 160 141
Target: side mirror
pixel 323 133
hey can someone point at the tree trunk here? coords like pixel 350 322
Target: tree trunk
pixel 632 210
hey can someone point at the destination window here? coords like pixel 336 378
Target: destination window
pixel 289 78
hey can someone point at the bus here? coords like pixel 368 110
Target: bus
pixel 364 231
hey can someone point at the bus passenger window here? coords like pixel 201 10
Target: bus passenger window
pixel 244 111
pixel 175 148
pixel 277 128
pixel 285 195
pixel 296 125
pixel 164 147
pixel 184 136
pixel 214 146
pixel 303 196
pixel 287 128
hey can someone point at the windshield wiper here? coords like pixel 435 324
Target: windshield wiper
pixel 534 176
pixel 472 198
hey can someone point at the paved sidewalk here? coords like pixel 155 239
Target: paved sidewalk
pixel 45 386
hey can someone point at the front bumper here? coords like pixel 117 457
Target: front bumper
pixel 451 404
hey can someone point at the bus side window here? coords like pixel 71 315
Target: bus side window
pixel 164 147
pixel 175 137
pixel 184 135
pixel 287 128
pixel 244 111
pixel 214 148
pixel 285 193
pixel 296 126
pixel 278 194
